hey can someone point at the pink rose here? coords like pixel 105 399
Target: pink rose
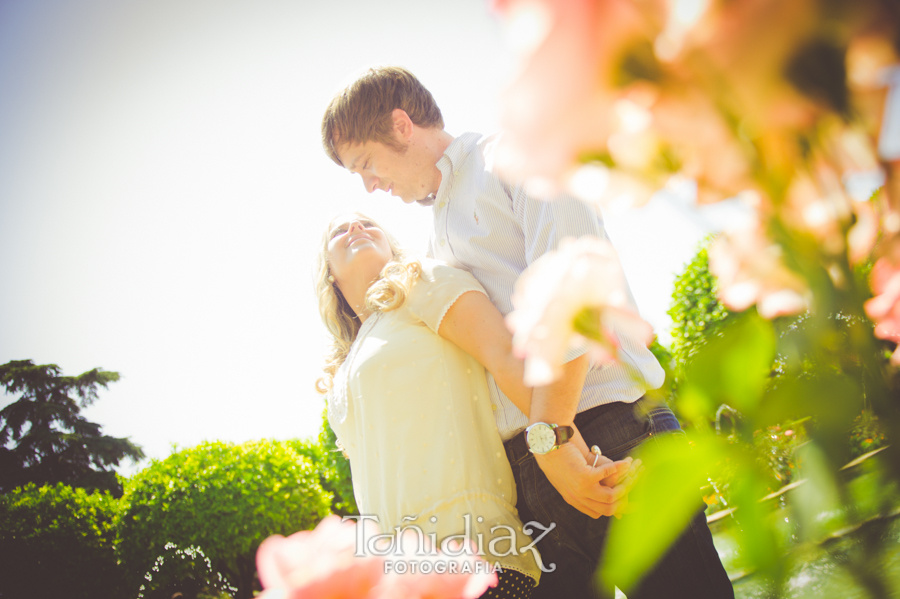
pixel 330 562
pixel 884 308
pixel 319 564
pixel 468 577
pixel 561 102
pixel 664 86
pixel 582 273
pixel 750 271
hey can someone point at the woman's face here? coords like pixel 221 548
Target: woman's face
pixel 356 248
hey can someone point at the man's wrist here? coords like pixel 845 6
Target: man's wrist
pixel 543 437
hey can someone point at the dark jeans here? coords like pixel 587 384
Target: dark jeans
pixel 690 568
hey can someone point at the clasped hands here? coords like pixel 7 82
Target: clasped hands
pixel 596 490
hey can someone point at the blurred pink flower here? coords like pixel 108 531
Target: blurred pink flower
pixel 582 273
pixel 560 104
pixel 750 271
pixel 873 75
pixel 818 203
pixel 323 564
pixel 319 564
pixel 705 147
pixel 819 208
pixel 684 64
pixel 863 234
pixel 884 308
pixel 438 583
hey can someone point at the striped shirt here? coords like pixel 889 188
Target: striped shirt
pixel 495 230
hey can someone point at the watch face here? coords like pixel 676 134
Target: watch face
pixel 541 438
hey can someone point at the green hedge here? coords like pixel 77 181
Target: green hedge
pixel 222 499
pixel 57 541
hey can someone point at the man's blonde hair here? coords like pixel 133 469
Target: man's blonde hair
pixel 387 293
pixel 363 110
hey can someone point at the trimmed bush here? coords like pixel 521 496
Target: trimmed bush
pixel 222 499
pixel 57 541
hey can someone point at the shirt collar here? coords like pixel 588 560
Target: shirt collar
pixel 454 156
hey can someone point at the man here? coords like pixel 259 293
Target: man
pixel 387 128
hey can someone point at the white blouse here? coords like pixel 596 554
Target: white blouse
pixel 413 413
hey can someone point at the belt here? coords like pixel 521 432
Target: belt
pixel 516 448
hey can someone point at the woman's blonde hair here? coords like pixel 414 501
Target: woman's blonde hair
pixel 387 293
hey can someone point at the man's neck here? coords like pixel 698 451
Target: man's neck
pixel 435 143
pixel 441 141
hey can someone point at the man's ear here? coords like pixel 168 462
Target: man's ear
pixel 403 125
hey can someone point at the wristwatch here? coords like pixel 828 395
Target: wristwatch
pixel 542 438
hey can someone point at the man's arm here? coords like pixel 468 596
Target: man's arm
pixel 477 327
pixel 590 490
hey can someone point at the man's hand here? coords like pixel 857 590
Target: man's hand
pixel 572 474
pixel 626 481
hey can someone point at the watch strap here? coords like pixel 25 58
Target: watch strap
pixel 564 434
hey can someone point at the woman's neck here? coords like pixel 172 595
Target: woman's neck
pixel 356 298
pixel 355 291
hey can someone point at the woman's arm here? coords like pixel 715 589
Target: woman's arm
pixel 477 327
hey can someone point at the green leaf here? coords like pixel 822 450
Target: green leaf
pixel 734 367
pixel 760 545
pixel 817 502
pixel 665 498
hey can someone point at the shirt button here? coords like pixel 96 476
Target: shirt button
pixel 442 242
pixel 455 173
pixel 441 204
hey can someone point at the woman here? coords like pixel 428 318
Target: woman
pixel 408 397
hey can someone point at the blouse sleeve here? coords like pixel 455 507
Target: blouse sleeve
pixel 436 289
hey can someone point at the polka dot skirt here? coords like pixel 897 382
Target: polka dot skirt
pixel 511 585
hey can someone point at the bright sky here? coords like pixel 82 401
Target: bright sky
pixel 163 191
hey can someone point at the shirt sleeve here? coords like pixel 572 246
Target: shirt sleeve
pixel 436 289
pixel 546 223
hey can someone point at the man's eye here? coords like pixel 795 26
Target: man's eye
pixel 337 232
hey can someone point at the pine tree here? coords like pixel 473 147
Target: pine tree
pixel 45 440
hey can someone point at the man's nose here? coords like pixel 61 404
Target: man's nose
pixel 370 183
pixel 354 225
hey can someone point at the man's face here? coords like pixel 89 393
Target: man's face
pixel 404 173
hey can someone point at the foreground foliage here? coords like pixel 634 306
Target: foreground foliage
pixel 614 99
